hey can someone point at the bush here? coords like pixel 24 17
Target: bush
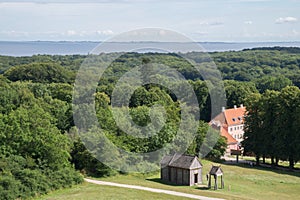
pixel 10 188
pixel 64 178
pixel 34 182
pixel 18 180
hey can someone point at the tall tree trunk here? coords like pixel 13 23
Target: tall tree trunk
pixel 264 159
pixel 272 162
pixel 257 160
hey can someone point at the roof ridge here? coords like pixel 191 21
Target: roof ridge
pixel 224 113
pixel 173 157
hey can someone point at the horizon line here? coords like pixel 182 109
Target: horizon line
pixel 94 41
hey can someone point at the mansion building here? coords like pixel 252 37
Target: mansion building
pixel 230 124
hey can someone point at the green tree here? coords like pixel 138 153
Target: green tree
pixel 289 101
pixel 272 83
pixel 237 92
pixel 272 143
pixel 29 132
pixel 253 127
pixel 40 72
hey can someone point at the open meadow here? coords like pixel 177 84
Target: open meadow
pixel 241 182
pixel 89 191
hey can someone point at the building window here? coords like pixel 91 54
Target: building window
pixel 230 129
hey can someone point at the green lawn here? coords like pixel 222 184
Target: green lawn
pixel 268 161
pixel 88 191
pixel 241 182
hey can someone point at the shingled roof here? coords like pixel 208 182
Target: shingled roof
pixel 181 161
pixel 216 170
pixel 166 160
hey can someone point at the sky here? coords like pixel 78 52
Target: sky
pixel 200 20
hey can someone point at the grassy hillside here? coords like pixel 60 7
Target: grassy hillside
pixel 89 191
pixel 241 182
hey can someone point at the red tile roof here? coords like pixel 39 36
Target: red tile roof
pixel 230 139
pixel 229 117
pixel 235 116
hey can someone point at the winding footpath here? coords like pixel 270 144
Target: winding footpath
pixel 180 194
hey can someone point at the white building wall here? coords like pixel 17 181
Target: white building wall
pixel 237 132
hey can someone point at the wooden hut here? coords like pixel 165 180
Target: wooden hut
pixel 181 169
pixel 216 172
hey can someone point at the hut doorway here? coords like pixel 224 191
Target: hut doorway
pixel 195 178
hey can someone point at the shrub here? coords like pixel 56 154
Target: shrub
pixel 10 188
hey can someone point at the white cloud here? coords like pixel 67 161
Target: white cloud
pixel 292 33
pixel 248 22
pixel 211 23
pixel 283 20
pixel 71 33
pixel 105 32
pixel 14 33
pixel 56 34
pixel 201 33
pixel 88 33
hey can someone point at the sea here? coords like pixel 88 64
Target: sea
pixel 29 48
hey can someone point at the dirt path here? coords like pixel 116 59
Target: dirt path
pixel 192 196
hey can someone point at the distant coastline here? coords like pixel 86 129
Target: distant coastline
pixel 29 48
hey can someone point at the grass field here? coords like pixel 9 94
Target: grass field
pixel 268 161
pixel 89 191
pixel 241 182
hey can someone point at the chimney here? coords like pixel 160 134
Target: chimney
pixel 223 109
pixel 234 106
pixel 242 106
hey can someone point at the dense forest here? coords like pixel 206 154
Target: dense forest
pixel 40 145
pixel 273 120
